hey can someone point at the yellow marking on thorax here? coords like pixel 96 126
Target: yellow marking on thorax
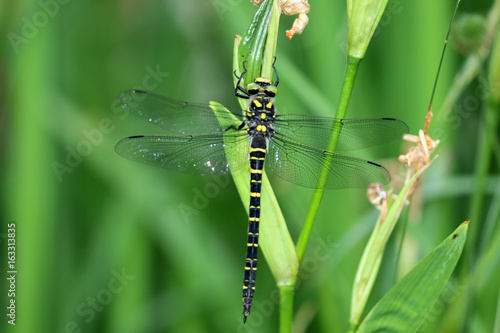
pixel 263 115
pixel 257 104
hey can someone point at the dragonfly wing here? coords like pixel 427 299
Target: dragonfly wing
pixel 355 133
pixel 177 116
pixel 202 154
pixel 302 164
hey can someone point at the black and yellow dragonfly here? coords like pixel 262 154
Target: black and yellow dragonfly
pixel 295 147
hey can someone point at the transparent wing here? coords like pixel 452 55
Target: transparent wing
pixel 355 133
pixel 302 164
pixel 174 115
pixel 202 154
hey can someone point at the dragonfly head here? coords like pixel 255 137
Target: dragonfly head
pixel 262 85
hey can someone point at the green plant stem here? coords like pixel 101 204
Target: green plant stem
pixel 345 95
pixel 286 308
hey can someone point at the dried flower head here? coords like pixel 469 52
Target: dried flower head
pixel 293 7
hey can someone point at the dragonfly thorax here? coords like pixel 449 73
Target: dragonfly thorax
pixel 260 112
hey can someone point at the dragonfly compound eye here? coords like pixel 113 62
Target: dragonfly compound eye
pixel 271 91
pixel 253 88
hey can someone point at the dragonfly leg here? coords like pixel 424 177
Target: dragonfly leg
pixel 276 73
pixel 238 84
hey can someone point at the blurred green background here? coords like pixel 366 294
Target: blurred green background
pixel 108 245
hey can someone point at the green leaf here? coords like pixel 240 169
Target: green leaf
pixel 251 47
pixel 405 307
pixel 275 240
pixel 363 17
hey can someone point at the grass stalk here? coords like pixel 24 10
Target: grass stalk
pixel 345 95
pixel 286 307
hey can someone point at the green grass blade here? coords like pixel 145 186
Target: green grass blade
pixel 253 43
pixel 405 307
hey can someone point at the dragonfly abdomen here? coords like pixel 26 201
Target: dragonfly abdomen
pixel 257 157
